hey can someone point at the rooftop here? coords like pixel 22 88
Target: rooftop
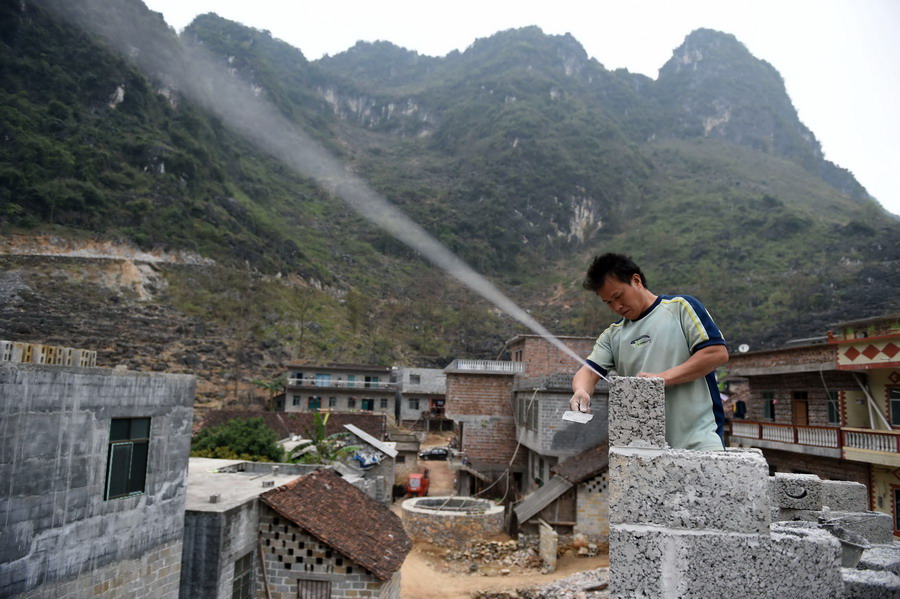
pixel 234 482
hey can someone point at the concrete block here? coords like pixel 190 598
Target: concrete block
pixel 881 557
pixel 796 491
pixel 655 563
pixel 678 488
pixel 875 527
pixel 789 515
pixel 637 413
pixel 870 584
pixel 845 496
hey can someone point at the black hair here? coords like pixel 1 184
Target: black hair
pixel 619 266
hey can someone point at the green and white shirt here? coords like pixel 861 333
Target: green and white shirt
pixel 665 335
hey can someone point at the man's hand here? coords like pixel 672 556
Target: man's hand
pixel 583 384
pixel 580 402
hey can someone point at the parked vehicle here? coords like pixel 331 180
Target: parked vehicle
pixel 417 485
pixel 435 453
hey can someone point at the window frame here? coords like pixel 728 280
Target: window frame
pixel 135 482
pixel 242 582
pixel 833 404
pixel 768 399
pixel 893 400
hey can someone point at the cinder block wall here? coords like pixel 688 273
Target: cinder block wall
pixel 291 555
pixel 698 523
pixel 213 542
pixel 54 443
pixel 592 506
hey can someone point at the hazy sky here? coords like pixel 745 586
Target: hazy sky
pixel 840 59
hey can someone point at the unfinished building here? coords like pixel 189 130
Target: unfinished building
pixel 94 464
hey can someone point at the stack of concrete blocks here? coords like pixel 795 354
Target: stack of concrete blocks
pixel 870 556
pixel 35 353
pixel 697 525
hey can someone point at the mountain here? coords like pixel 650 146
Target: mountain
pixel 521 155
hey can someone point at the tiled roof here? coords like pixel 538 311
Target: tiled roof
pixel 586 464
pixel 285 424
pixel 344 518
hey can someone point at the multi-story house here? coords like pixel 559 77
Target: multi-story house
pixel 411 396
pixel 94 468
pixel 341 387
pixel 422 395
pixel 829 406
pixel 513 442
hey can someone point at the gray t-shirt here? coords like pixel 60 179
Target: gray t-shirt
pixel 664 336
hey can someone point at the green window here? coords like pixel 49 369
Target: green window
pixel 126 469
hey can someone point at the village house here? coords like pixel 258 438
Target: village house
pixel 422 395
pixel 829 406
pixel 340 387
pixel 311 546
pixel 94 464
pixel 286 530
pixel 514 444
pixel 413 397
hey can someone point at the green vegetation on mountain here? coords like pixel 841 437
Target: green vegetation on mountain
pixel 521 155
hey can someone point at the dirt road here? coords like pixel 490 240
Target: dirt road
pixel 421 576
pixel 427 575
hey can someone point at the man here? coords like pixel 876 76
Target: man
pixel 671 337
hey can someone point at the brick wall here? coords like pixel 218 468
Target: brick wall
pixel 812 354
pixel 292 555
pixel 155 574
pixel 542 358
pixel 815 384
pixel 482 403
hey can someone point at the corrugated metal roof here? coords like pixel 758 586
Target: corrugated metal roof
pixel 380 445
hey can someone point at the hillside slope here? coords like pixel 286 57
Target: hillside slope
pixel 521 155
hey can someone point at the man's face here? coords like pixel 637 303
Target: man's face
pixel 625 299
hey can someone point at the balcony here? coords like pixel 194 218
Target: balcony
pixel 308 382
pixel 859 445
pixel 501 366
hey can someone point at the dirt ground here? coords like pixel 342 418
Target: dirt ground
pixel 422 575
pixel 426 574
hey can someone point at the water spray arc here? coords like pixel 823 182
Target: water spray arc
pixel 202 77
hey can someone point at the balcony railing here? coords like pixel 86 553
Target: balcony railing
pixel 818 436
pixel 490 365
pixel 342 384
pixel 886 441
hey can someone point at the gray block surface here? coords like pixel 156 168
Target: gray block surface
pixel 686 489
pixel 650 563
pixel 796 491
pixel 637 413
pixel 870 584
pixel 845 496
pixel 881 557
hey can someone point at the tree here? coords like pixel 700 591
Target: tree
pixel 242 438
pixel 321 448
pixel 273 387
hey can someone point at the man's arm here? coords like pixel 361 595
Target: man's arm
pixel 700 364
pixel 583 384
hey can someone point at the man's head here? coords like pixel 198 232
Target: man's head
pixel 620 284
pixel 617 266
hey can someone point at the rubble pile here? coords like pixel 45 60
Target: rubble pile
pixel 505 553
pixel 590 584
